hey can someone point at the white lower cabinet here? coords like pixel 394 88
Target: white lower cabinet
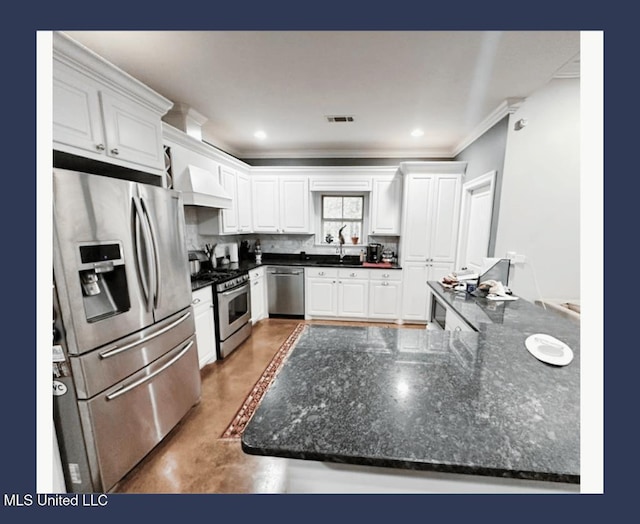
pixel 415 294
pixel 321 292
pixel 352 293
pixel 385 293
pixel 202 301
pixel 258 294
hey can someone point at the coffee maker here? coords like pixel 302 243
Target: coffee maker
pixel 374 253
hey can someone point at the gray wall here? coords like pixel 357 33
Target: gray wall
pixel 484 155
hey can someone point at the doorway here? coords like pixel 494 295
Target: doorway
pixel 475 221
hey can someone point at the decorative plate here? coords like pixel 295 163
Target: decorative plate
pixel 549 349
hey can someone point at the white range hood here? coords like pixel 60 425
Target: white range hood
pixel 201 188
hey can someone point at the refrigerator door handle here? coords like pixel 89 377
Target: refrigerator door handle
pixel 119 349
pixel 141 381
pixel 140 237
pixel 156 263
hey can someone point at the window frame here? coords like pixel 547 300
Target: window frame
pixel 320 219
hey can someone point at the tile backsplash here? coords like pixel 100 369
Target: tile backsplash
pixel 275 243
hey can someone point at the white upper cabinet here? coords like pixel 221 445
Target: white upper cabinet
pixel 280 204
pixel 416 233
pixel 431 215
pixel 266 198
pixel 236 219
pixel 102 113
pixel 229 217
pixel 386 199
pixel 243 186
pixel 294 205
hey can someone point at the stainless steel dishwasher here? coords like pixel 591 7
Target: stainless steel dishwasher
pixel 285 288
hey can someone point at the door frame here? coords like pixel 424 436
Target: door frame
pixel 488 179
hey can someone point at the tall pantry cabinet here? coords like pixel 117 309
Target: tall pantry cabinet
pixel 430 218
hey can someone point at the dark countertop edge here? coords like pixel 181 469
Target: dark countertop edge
pixel 413 465
pixel 286 261
pixel 199 284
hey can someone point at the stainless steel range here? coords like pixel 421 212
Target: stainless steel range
pixel 232 306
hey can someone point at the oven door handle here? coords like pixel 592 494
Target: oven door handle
pixel 235 291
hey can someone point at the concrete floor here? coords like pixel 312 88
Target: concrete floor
pixel 192 458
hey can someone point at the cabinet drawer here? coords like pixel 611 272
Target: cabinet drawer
pixel 353 273
pixel 256 273
pixel 202 297
pixel 327 272
pixel 382 274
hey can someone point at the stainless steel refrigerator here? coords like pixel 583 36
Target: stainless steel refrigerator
pixel 125 357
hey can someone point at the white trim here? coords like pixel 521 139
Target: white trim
pixel 341 153
pixel 337 171
pixel 488 179
pixel 508 107
pixel 81 58
pixel 175 135
pixel 438 168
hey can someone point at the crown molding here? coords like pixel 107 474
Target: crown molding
pixel 344 153
pixel 508 107
pixel 332 170
pixel 66 50
pixel 442 168
pixel 175 135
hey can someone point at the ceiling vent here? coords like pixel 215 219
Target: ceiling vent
pixel 339 119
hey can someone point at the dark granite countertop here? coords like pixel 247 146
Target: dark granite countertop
pixel 460 402
pixel 517 314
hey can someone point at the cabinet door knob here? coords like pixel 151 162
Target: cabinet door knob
pixel 195 301
pixel 352 275
pixel 385 283
pixel 100 147
pixel 386 275
pixel 115 151
pixel 321 273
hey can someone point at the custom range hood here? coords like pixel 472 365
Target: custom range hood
pixel 201 188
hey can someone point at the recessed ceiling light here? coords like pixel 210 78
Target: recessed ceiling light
pixel 260 135
pixel 417 132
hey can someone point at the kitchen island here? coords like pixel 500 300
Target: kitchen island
pixel 359 409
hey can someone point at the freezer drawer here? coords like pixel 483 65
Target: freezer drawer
pixel 126 421
pixel 99 369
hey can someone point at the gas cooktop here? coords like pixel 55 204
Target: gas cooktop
pixel 223 278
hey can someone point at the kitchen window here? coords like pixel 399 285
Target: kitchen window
pixel 338 211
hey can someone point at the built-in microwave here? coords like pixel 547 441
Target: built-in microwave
pixel 438 312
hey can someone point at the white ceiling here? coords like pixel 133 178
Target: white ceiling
pixel 448 83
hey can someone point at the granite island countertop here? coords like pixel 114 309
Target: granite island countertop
pixel 459 402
